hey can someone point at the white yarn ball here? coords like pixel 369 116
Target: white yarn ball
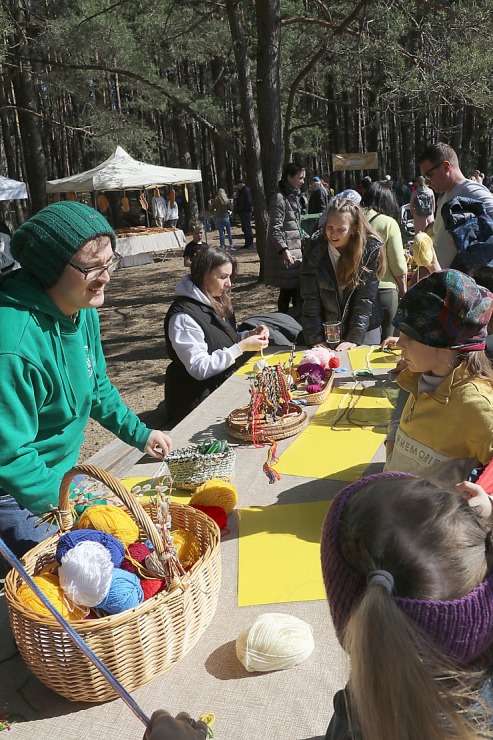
pixel 259 366
pixel 275 642
pixel 85 573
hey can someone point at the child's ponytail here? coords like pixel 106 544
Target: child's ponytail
pixel 392 687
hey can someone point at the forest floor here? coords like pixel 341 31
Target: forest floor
pixel 132 317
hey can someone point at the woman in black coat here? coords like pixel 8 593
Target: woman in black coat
pixel 339 279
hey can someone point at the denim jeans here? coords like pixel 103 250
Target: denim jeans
pixel 224 226
pixel 17 529
pixel 246 227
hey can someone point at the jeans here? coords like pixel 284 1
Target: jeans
pixel 17 529
pixel 246 227
pixel 223 225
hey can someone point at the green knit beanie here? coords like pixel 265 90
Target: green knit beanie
pixel 46 243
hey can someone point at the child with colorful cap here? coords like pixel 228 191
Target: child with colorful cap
pixel 407 571
pixel 448 414
pixel 52 364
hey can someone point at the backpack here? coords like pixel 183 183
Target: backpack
pixel 423 205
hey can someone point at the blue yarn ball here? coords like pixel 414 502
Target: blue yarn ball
pixel 71 539
pixel 125 592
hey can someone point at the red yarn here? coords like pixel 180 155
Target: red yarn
pixel 334 362
pixel 151 587
pixel 138 551
pixel 215 512
pixel 314 388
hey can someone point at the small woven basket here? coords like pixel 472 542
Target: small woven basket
pixel 314 399
pixel 190 468
pixel 288 425
pixel 137 645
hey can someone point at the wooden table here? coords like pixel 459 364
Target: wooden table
pixel 293 704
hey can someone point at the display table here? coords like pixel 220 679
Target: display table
pixel 295 704
pixel 135 249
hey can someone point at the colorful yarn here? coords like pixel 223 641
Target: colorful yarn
pixel 334 362
pixel 187 545
pixel 50 586
pixel 85 573
pixel 71 539
pixel 125 592
pixel 319 356
pixel 135 557
pixel 275 642
pixel 110 519
pixel 151 587
pixel 216 492
pixel 272 458
pixel 216 513
pixel 314 388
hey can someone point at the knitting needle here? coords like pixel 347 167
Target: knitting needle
pixel 114 683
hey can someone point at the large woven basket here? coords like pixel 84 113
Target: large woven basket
pixel 136 645
pixel 190 468
pixel 314 399
pixel 293 422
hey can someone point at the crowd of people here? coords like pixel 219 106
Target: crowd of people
pixel 406 554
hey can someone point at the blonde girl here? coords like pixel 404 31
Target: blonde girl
pixel 339 278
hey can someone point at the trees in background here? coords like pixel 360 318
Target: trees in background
pixel 237 87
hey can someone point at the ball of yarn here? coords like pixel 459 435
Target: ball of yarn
pixel 125 592
pixel 318 355
pixel 259 366
pixel 423 251
pixel 50 586
pixel 313 388
pixel 151 587
pixel 334 362
pixel 71 539
pixel 275 642
pixel 137 553
pixel 110 519
pixel 310 368
pixel 85 573
pixel 187 545
pixel 216 513
pixel 216 492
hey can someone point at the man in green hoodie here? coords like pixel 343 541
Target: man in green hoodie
pixel 52 365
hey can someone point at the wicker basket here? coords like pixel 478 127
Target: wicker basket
pixel 136 645
pixel 286 426
pixel 314 399
pixel 190 468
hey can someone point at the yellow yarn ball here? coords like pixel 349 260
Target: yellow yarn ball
pixel 187 545
pixel 216 492
pixel 110 519
pixel 423 253
pixel 50 586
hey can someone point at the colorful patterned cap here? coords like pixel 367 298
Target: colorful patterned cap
pixel 446 309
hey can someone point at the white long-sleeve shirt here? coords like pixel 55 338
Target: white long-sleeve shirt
pixel 188 339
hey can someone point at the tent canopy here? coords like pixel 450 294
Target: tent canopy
pixel 12 189
pixel 122 172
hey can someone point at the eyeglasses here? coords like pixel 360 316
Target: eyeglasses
pixel 427 174
pixel 96 272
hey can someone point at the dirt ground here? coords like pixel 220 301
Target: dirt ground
pixel 136 303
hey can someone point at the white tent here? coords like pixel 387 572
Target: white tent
pixel 12 189
pixel 122 172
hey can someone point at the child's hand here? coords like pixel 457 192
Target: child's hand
pixel 477 498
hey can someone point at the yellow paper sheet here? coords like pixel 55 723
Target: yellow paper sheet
pixel 179 497
pixel 273 358
pixel 279 553
pixel 377 359
pixel 345 452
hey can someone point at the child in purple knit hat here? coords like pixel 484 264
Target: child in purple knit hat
pixel 448 414
pixel 407 570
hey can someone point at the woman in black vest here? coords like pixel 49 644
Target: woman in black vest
pixel 200 332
